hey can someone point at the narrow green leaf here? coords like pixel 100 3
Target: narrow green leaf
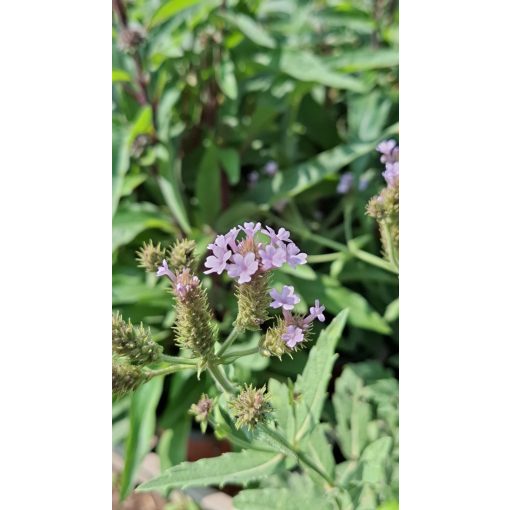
pixel 238 468
pixel 142 124
pixel 142 425
pixel 312 384
pixel 169 9
pixel 231 164
pixel 120 165
pixel 364 59
pixel 208 186
pixel 173 444
pixel 227 78
pixel 392 310
pixel 120 75
pixel 251 29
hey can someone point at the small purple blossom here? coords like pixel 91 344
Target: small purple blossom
pixel 294 256
pixel 253 177
pixel 231 237
pixel 286 298
pixel 391 174
pixel 271 167
pixel 364 181
pixel 388 151
pixel 317 311
pixel 345 183
pixel 185 282
pixel 292 336
pixel 243 267
pixel 163 270
pixel 277 238
pixel 272 256
pixel 250 228
pixel 220 249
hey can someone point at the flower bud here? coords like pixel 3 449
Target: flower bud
pixel 201 411
pixel 253 302
pixel 150 257
pixel 181 255
pixel 126 377
pixel 251 407
pixel 135 342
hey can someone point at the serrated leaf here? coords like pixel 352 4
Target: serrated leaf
pixel 320 452
pixel 142 415
pixel 251 29
pixel 238 468
pixel 280 399
pixel 312 384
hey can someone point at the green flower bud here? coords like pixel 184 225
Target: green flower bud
pixel 135 342
pixel 253 302
pixel 251 407
pixel 201 411
pixel 150 257
pixel 126 377
pixel 182 255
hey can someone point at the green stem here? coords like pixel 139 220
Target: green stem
pixel 167 370
pixel 220 378
pixel 178 360
pixel 392 252
pixel 229 341
pixel 374 260
pixel 237 354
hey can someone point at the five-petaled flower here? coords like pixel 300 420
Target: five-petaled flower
pixel 286 298
pixel 317 311
pixel 292 336
pixel 243 266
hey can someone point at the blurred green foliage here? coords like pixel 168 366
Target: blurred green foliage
pixel 205 95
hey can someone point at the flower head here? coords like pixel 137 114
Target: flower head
pixel 345 183
pixel 272 256
pixel 292 336
pixel 286 298
pixel 243 267
pixel 218 261
pixel 271 167
pixel 391 174
pixel 316 311
pixel 250 228
pixel 277 238
pixel 251 407
pixel 387 149
pixel 184 283
pixel 163 270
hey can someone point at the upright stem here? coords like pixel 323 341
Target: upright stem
pixel 220 378
pixel 229 341
pixel 392 252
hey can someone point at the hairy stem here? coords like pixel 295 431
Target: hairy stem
pixel 178 360
pixel 229 357
pixel 229 341
pixel 392 252
pixel 220 378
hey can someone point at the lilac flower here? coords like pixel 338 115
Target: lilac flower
pixel 165 271
pixel 316 311
pixel 391 174
pixel 364 181
pixel 243 266
pixel 253 177
pixel 345 183
pixel 250 228
pixel 286 298
pixel 217 262
pixel 294 257
pixel 271 167
pixel 292 336
pixel 277 238
pixel 231 237
pixel 272 256
pixel 387 149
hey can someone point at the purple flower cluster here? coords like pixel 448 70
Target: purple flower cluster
pixel 243 259
pixel 183 282
pixel 390 157
pixel 345 183
pixel 295 327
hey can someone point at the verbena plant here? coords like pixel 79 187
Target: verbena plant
pixel 270 110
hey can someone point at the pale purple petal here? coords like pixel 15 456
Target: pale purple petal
pixel 292 336
pixel 391 174
pixel 243 267
pixel 272 256
pixel 345 183
pixel 271 168
pixel 250 228
pixel 294 256
pixel 285 299
pixel 316 311
pixel 163 270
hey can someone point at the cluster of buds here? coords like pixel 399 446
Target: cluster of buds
pixel 195 327
pixel 251 407
pixel 125 377
pixel 385 206
pixel 180 255
pixel 249 261
pixel 290 332
pixel 135 342
pixel 201 411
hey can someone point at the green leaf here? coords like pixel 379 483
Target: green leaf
pixel 363 59
pixel 312 384
pixel 169 9
pixel 231 164
pixel 131 182
pixel 305 66
pixel 142 426
pixel 251 29
pixel 280 399
pixel 173 444
pixel 391 312
pixel 320 452
pixel 142 124
pixel 208 185
pixel 238 468
pixel 378 451
pixel 120 165
pixel 227 78
pixel 120 75
pixel 293 181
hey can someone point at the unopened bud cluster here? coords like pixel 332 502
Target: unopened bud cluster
pixel 201 410
pixel 251 407
pixel 125 377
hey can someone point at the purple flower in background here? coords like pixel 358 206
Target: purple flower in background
pixel 345 183
pixel 163 270
pixel 271 167
pixel 292 336
pixel 243 267
pixel 391 175
pixel 250 228
pixel 252 178
pixel 286 298
pixel 294 257
pixel 388 151
pixel 316 311
pixel 272 256
pixel 364 181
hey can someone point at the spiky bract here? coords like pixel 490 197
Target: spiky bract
pixel 150 257
pixel 126 377
pixel 251 407
pixel 253 302
pixel 182 255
